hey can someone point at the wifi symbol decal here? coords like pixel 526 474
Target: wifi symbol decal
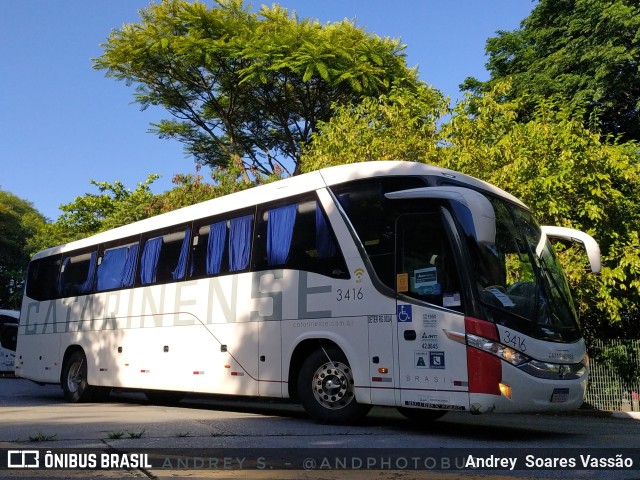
pixel 358 272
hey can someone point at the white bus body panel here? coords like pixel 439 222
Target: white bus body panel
pixel 7 360
pixel 212 335
pixel 530 394
pixel 433 368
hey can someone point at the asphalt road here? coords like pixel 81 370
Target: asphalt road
pixel 277 440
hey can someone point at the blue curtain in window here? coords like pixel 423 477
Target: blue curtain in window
pixel 62 277
pixel 181 268
pixel 129 270
pixel 149 260
pixel 239 242
pixel 325 245
pixel 87 286
pixel 279 234
pixel 110 271
pixel 215 246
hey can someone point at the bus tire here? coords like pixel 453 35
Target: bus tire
pixel 421 416
pixel 326 388
pixel 75 386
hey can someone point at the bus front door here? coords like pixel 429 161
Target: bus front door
pixel 433 368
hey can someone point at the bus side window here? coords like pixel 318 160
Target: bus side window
pixel 240 231
pixel 210 252
pixel 8 337
pixel 164 257
pixel 149 260
pixel 77 274
pixel 373 217
pixel 298 236
pixel 424 255
pixel 221 245
pixel 116 267
pixel 42 278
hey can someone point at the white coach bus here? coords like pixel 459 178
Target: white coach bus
pixel 379 283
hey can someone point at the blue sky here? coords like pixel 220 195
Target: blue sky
pixel 63 124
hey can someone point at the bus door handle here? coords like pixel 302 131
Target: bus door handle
pixel 409 334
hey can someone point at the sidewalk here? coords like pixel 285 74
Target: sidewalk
pixel 632 415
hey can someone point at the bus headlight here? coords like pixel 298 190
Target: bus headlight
pixel 536 368
pixel 555 371
pixel 507 354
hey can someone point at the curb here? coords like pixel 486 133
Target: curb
pixel 628 415
pixel 600 414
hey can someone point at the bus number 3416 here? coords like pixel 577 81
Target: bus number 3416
pixel 349 294
pixel 516 340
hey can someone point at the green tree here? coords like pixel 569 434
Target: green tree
pixel 247 89
pixel 624 359
pixel 400 125
pixel 115 205
pixel 19 221
pixel 89 214
pixel 569 176
pixel 191 189
pixel 587 51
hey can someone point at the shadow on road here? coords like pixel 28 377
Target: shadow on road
pixel 454 425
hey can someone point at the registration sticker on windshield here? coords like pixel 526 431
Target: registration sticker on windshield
pixel 451 300
pixel 503 297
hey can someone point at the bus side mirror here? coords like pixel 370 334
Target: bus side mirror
pixel 576 236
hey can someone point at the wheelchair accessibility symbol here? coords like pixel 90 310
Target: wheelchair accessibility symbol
pixel 404 313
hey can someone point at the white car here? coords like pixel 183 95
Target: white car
pixel 8 336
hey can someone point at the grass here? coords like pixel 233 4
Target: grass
pixel 118 434
pixel 41 437
pixel 136 434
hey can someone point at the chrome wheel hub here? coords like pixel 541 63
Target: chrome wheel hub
pixel 333 385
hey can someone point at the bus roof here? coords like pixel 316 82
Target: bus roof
pixel 277 190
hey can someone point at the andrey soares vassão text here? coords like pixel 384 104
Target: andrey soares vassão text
pixel 535 462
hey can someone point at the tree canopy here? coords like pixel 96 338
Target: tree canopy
pixel 116 205
pixel 91 213
pixel 587 51
pixel 19 221
pixel 568 175
pixel 400 125
pixel 247 89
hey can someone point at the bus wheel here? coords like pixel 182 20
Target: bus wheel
pixel 326 388
pixel 421 416
pixel 74 378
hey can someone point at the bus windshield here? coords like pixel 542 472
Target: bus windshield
pixel 520 280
